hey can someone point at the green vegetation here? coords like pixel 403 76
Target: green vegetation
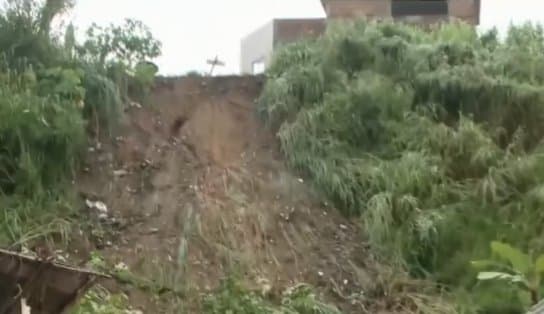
pixel 233 298
pixel 433 138
pixel 101 301
pixel 515 268
pixel 52 91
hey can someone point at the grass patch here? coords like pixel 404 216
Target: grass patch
pixel 233 298
pixel 100 301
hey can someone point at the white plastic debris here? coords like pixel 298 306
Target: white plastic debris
pixel 320 273
pixel 25 309
pixel 343 227
pixel 99 206
pixel 120 173
pixel 300 180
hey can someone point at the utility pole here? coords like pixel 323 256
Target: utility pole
pixel 214 62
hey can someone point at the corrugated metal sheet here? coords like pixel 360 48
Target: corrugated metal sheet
pixel 537 309
pixel 47 287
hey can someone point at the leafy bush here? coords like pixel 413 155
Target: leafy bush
pixel 123 54
pixel 432 137
pixel 51 92
pixel 516 268
pixel 40 141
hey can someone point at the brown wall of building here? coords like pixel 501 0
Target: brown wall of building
pixel 288 31
pixel 467 10
pixel 357 8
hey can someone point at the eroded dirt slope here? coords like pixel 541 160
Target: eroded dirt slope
pixel 196 189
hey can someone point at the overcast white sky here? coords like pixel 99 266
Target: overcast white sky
pixel 193 31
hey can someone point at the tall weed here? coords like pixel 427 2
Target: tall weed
pixel 433 138
pixel 51 93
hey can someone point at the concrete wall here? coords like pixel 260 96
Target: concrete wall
pixel 257 47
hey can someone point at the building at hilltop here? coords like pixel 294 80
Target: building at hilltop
pixel 417 11
pixel 257 48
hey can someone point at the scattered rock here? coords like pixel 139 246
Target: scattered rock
pixel 343 227
pixel 145 163
pixel 121 266
pixel 131 190
pixel 120 173
pixel 266 287
pixel 103 217
pixel 134 104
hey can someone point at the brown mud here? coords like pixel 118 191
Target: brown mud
pixel 197 190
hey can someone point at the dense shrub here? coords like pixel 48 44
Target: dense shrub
pixel 432 137
pixel 51 92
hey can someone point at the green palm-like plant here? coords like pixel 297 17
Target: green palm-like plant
pixel 514 267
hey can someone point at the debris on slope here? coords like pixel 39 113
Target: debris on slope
pixel 213 197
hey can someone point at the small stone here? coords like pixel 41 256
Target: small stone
pixel 131 190
pixel 120 173
pixel 121 266
pixel 320 273
pixel 345 282
pixel 343 227
pixel 300 180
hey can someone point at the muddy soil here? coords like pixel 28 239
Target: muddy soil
pixel 196 190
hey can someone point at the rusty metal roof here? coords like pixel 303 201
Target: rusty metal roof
pixel 47 287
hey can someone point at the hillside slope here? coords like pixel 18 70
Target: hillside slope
pixel 196 188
